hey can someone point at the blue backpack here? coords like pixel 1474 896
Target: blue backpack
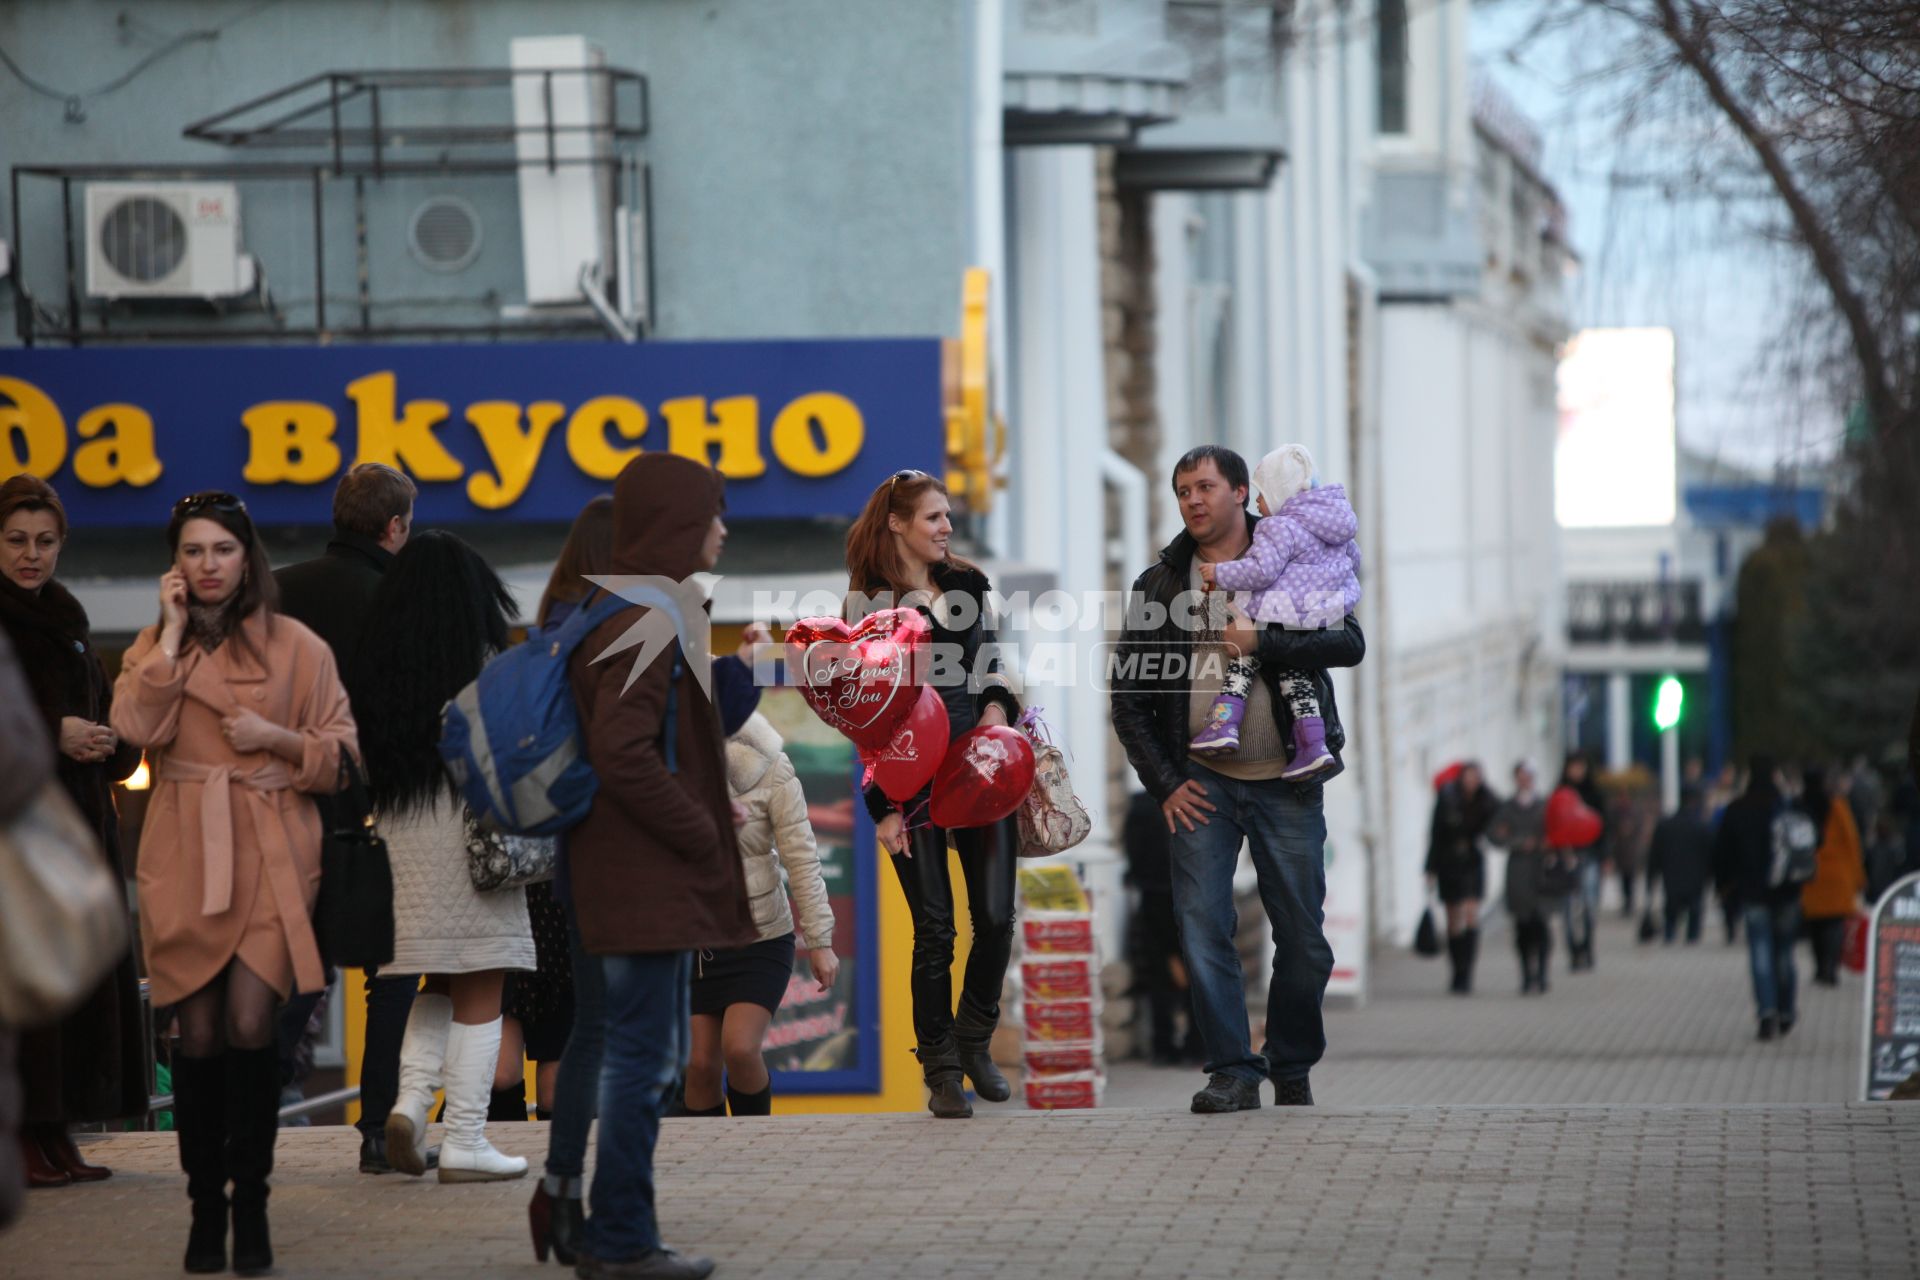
pixel 511 739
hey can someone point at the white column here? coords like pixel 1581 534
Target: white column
pixel 1060 421
pixel 1619 720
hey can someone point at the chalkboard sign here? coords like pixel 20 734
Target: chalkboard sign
pixel 1893 990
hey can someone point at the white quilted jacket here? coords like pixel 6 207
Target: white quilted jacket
pixel 761 777
pixel 441 924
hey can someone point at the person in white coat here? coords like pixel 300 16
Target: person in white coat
pixel 736 992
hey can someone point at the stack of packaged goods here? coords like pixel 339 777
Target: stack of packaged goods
pixel 1063 1050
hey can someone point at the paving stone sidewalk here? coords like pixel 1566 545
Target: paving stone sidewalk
pixel 1442 1192
pixel 1650 1024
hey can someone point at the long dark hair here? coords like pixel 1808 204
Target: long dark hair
pixel 257 589
pixel 1815 799
pixel 440 613
pixel 873 562
pixel 589 549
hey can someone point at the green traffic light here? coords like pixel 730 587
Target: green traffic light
pixel 1667 702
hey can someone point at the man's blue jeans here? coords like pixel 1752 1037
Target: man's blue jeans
pixel 576 1086
pixel 647 1030
pixel 1772 929
pixel 1287 829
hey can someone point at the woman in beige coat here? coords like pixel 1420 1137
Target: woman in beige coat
pixel 439 615
pixel 736 992
pixel 244 718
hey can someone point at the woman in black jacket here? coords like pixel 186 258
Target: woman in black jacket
pixel 91 1066
pixel 1461 814
pixel 898 555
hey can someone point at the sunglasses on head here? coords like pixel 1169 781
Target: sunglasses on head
pixel 210 500
pixel 907 474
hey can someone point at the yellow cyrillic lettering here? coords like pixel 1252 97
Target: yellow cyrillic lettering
pixel 125 457
pixel 587 441
pixel 841 432
pixel 292 443
pixel 42 429
pixel 735 427
pixel 406 442
pixel 513 452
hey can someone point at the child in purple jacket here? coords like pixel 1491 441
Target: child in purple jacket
pixel 1304 572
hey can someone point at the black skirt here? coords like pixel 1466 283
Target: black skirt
pixel 1461 881
pixel 745 975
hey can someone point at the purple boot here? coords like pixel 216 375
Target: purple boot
pixel 1221 737
pixel 1310 754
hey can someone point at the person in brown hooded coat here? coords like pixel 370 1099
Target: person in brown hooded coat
pixel 656 873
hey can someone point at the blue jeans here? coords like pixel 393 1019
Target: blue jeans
pixel 1287 830
pixel 1772 929
pixel 576 1086
pixel 647 1040
pixel 1581 906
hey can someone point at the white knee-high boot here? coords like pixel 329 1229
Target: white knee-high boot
pixel 423 1060
pixel 465 1153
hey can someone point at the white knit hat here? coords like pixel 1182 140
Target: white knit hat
pixel 1284 472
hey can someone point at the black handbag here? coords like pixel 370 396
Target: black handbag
pixel 353 919
pixel 1426 938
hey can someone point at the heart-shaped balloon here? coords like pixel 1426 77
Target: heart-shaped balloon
pixel 909 761
pixel 860 680
pixel 986 774
pixel 1571 824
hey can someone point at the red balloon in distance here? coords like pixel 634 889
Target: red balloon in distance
pixel 909 761
pixel 986 774
pixel 1570 823
pixel 861 681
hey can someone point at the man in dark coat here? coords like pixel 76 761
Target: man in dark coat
pixel 1681 859
pixel 333 594
pixel 1164 674
pixel 656 873
pixel 1743 866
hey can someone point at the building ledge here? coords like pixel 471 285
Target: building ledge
pixel 1085 90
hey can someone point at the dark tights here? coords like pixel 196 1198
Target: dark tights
pixel 987 861
pixel 235 1010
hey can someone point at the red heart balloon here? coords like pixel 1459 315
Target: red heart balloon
pixel 909 761
pixel 986 774
pixel 860 680
pixel 1570 823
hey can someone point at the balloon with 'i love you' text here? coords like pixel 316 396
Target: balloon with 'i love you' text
pixel 863 681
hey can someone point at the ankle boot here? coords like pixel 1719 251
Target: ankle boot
pixel 200 1122
pixel 1310 754
pixel 751 1104
pixel 253 1123
pixel 465 1153
pixel 1221 734
pixel 557 1218
pixel 423 1061
pixel 973 1043
pixel 941 1066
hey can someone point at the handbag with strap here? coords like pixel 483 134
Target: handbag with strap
pixel 63 913
pixel 353 917
pixel 497 860
pixel 1051 819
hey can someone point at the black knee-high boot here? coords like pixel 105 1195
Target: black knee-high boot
pixel 1457 959
pixel 751 1104
pixel 509 1103
pixel 1470 952
pixel 253 1123
pixel 200 1121
pixel 1523 947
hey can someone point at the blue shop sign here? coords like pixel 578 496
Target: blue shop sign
pixel 519 431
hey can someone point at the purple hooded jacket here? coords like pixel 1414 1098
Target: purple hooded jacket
pixel 1304 566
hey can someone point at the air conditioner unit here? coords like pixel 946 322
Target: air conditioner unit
pixel 166 240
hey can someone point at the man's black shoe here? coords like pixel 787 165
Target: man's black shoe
pixel 1226 1092
pixel 1769 1027
pixel 373 1154
pixel 1292 1093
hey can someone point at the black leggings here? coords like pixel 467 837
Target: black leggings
pixel 987 860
